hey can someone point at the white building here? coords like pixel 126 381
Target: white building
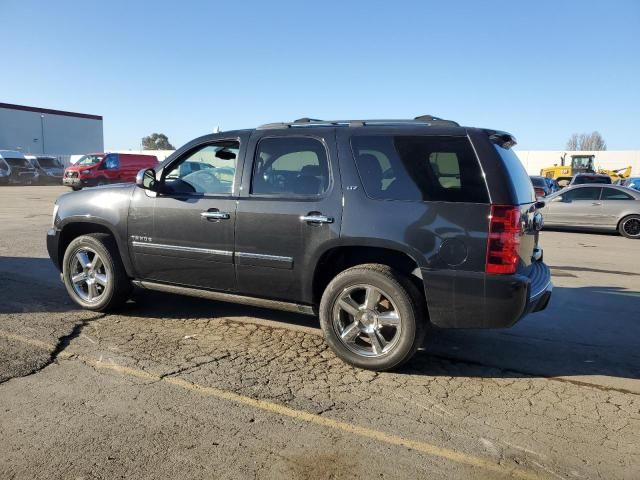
pixel 34 130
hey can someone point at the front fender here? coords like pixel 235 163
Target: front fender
pixel 105 207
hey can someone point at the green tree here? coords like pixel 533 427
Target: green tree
pixel 157 141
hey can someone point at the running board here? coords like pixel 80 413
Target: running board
pixel 226 297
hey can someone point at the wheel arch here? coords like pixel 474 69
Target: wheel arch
pixel 341 257
pixel 74 229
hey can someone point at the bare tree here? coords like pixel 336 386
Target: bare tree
pixel 586 141
pixel 572 143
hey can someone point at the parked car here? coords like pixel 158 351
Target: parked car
pixel 49 169
pixel 5 172
pixel 544 186
pixel 380 227
pixel 21 172
pixel 633 182
pixel 595 207
pixel 104 168
pixel 582 178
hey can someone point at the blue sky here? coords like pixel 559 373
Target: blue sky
pixel 541 70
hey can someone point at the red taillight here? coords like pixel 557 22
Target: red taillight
pixel 539 191
pixel 504 239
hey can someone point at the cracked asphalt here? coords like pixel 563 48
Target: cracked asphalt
pixel 176 387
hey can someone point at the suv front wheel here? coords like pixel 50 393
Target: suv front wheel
pixel 372 317
pixel 93 273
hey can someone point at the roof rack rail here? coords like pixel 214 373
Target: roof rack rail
pixel 307 120
pixel 426 120
pixel 436 120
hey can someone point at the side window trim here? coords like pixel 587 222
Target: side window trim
pixel 290 196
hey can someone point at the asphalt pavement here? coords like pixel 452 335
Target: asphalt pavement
pixel 181 387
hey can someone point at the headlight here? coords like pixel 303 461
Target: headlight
pixel 55 213
pixel 85 172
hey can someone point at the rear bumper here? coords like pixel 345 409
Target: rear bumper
pixel 458 299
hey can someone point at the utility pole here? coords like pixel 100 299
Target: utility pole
pixel 42 130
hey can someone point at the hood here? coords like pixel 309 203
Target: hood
pixel 78 168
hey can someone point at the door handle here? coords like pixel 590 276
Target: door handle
pixel 316 218
pixel 596 203
pixel 215 215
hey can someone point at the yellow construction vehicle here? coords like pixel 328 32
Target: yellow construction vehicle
pixel 580 163
pixel 617 175
pixel 563 173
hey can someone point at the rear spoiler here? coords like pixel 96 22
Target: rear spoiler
pixel 503 139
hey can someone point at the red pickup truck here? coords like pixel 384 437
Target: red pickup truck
pixel 103 168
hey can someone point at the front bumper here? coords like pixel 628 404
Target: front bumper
pixel 53 247
pixel 74 182
pixel 458 299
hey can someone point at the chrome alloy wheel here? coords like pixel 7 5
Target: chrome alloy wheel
pixel 632 227
pixel 367 321
pixel 88 275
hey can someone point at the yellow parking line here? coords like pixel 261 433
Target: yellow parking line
pixel 267 406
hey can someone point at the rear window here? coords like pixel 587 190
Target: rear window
pixel 538 182
pixel 523 188
pixel 419 168
pixel 580 180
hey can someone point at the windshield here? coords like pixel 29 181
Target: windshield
pixel 90 160
pixel 47 162
pixel 17 162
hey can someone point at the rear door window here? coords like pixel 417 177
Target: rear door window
pixel 286 166
pixel 419 168
pixel 613 194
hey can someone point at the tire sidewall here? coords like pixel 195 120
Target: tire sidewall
pixel 621 227
pixel 403 302
pixel 94 244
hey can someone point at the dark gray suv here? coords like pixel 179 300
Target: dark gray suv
pixel 380 227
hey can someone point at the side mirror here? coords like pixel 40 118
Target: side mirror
pixel 146 178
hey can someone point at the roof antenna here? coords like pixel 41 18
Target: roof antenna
pixel 217 129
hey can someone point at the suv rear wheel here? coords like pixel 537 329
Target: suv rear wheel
pixel 372 317
pixel 93 273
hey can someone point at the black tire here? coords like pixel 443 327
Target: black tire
pixel 118 286
pixel 398 290
pixel 628 226
pixel 75 189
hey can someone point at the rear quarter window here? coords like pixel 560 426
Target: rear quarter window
pixel 419 168
pixel 520 180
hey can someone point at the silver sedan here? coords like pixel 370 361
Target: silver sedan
pixel 595 207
